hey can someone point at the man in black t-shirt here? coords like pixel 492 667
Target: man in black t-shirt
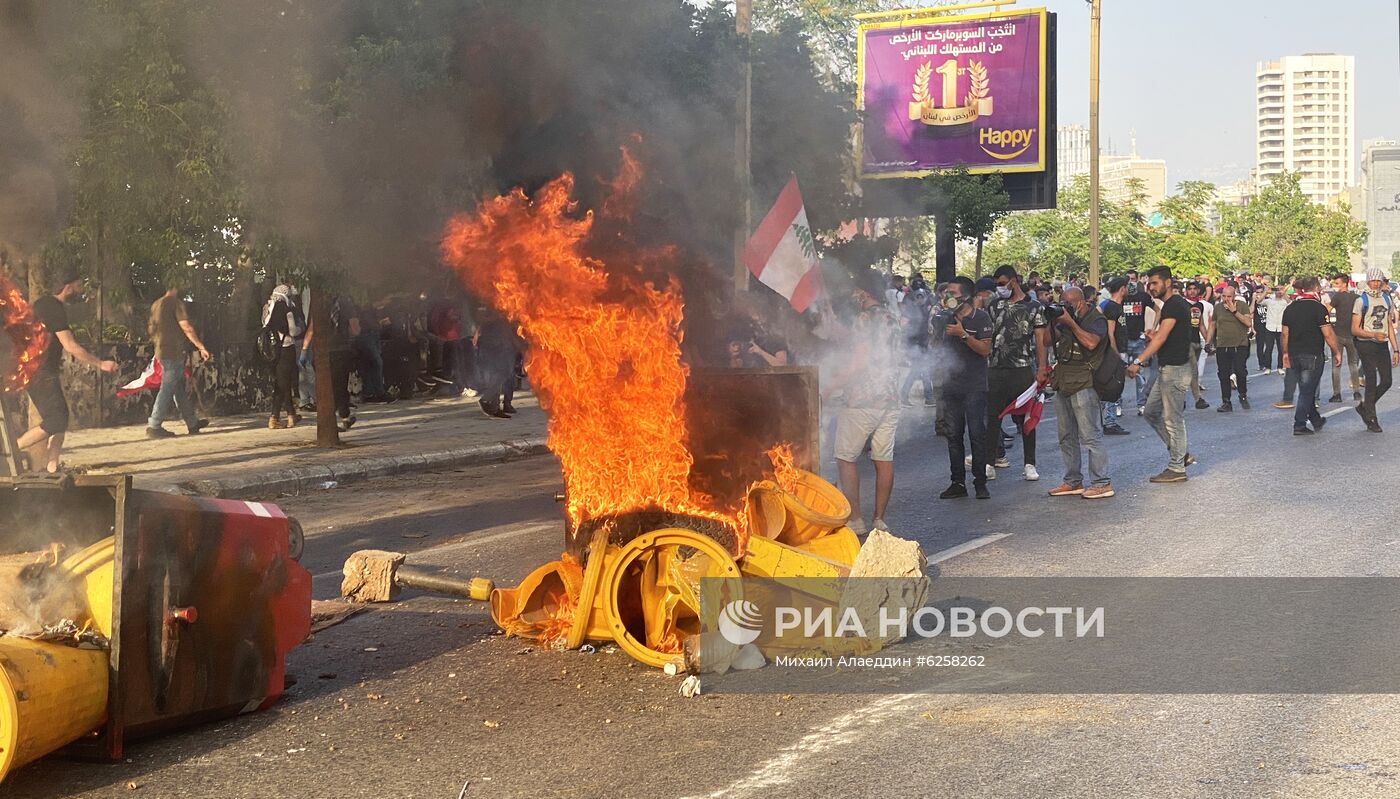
pixel 46 389
pixel 1306 327
pixel 1113 312
pixel 1171 343
pixel 1200 333
pixel 1133 338
pixel 1340 304
pixel 962 336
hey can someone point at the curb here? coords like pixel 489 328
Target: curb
pixel 301 479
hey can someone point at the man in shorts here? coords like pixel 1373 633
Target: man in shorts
pixel 869 383
pixel 46 389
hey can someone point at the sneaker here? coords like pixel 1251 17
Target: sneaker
pixel 954 491
pixel 991 472
pixel 1098 492
pixel 1302 431
pixel 879 524
pixel 1139 411
pixel 158 432
pixel 199 424
pixel 1317 426
pixel 967 460
pixel 983 493
pixel 1002 463
pixel 1066 490
pixel 1201 404
pixel 275 423
pixel 346 423
pixel 1031 473
pixel 1373 426
pixel 1190 459
pixel 1335 398
pixel 1168 476
pixel 309 407
pixel 1225 407
pixel 491 411
pixel 857 526
pixel 1283 405
pixel 1115 430
pixel 1244 404
pixel 471 393
pixel 293 419
pixel 1118 410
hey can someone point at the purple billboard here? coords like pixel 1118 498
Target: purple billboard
pixel 941 92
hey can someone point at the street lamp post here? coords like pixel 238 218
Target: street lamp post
pixel 743 126
pixel 1094 142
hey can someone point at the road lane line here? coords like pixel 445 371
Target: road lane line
pixel 783 767
pixel 965 547
pixel 1336 411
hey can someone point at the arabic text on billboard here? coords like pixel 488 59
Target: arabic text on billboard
pixel 938 93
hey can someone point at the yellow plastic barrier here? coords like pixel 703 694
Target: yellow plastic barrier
pixel 50 695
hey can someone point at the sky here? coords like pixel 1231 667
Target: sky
pixel 1181 72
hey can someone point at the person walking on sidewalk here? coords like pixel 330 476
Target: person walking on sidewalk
pixel 1373 329
pixel 870 412
pixel 1233 320
pixel 283 324
pixel 173 335
pixel 1340 305
pixel 963 336
pixel 1020 357
pixel 1171 344
pixel 1080 346
pixel 46 386
pixel 1113 311
pixel 1200 334
pixel 1306 328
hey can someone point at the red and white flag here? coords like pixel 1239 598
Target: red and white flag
pixel 781 252
pixel 146 381
pixel 1031 404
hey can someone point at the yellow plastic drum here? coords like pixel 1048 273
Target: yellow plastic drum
pixel 50 695
pixel 815 507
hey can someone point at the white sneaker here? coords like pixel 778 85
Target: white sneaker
pixel 968 460
pixel 1031 473
pixel 857 526
pixel 1118 411
pixel 879 524
pixel 991 472
pixel 1002 463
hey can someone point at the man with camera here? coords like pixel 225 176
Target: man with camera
pixel 964 341
pixel 1081 343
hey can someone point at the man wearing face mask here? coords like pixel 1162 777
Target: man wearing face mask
pixel 964 341
pixel 1079 348
pixel 1020 356
pixel 45 389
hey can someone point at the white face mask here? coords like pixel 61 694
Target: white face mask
pixel 1004 292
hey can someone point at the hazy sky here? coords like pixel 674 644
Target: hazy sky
pixel 1181 72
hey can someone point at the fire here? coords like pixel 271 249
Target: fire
pixel 604 346
pixel 785 471
pixel 28 338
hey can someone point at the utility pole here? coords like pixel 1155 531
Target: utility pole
pixel 1094 142
pixel 743 139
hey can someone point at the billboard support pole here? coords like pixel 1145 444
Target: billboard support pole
pixel 1094 143
pixel 743 140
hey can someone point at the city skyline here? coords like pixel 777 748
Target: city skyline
pixel 1198 113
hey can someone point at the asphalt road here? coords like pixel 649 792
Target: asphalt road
pixel 422 697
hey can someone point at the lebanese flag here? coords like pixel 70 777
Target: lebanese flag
pixel 1031 404
pixel 146 381
pixel 781 252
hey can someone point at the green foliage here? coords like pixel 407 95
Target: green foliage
pixel 1279 232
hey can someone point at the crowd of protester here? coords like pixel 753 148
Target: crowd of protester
pixel 984 352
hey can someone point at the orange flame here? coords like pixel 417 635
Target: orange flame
pixel 28 338
pixel 785 471
pixel 604 348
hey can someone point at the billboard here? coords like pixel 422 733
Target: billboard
pixel 938 92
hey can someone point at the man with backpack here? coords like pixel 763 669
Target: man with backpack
pixel 1373 328
pixel 282 324
pixel 1080 348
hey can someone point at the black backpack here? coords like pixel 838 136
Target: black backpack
pixel 272 334
pixel 1110 373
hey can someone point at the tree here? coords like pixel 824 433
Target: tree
pixel 968 205
pixel 1280 232
pixel 1186 244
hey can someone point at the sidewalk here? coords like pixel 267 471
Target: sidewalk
pixel 239 457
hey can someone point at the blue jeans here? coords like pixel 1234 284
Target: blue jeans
pixel 306 385
pixel 1306 372
pixel 172 392
pixel 1135 349
pixel 1165 413
pixel 1078 415
pixel 369 355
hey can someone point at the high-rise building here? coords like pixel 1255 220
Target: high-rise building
pixel 1072 150
pixel 1380 202
pixel 1306 118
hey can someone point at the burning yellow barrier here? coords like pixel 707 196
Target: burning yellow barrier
pixel 645 594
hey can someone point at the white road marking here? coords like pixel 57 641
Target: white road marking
pixel 839 732
pixel 1336 411
pixel 965 547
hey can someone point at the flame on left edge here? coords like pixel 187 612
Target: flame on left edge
pixel 27 336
